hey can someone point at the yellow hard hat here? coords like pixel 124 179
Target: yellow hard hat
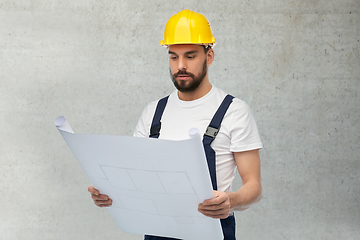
pixel 188 27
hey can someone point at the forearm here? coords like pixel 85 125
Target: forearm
pixel 246 196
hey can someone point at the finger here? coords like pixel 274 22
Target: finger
pixel 100 197
pixel 222 206
pixel 218 200
pixel 102 203
pixel 215 211
pixel 215 214
pixel 215 207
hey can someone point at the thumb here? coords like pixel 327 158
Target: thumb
pixel 93 191
pixel 216 194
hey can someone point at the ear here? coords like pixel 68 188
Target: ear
pixel 210 56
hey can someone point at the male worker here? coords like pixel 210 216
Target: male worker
pixel 231 138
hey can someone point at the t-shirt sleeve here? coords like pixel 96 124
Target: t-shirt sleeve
pixel 142 128
pixel 244 132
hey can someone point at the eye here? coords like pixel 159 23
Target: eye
pixel 172 57
pixel 190 56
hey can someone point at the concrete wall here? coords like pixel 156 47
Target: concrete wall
pixel 98 62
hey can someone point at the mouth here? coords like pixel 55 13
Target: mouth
pixel 183 77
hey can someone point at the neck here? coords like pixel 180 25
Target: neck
pixel 203 89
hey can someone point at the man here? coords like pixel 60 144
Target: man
pixel 234 145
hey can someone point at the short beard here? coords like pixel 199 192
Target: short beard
pixel 194 84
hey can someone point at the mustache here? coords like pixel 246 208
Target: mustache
pixel 183 72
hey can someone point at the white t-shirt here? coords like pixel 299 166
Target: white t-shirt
pixel 238 131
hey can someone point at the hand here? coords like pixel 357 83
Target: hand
pixel 217 207
pixel 100 200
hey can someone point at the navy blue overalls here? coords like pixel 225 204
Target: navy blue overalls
pixel 227 224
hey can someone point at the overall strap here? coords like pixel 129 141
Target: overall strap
pixel 210 134
pixel 156 122
pixel 214 126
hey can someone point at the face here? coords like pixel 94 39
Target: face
pixel 188 66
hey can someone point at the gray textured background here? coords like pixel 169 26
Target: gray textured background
pixel 98 63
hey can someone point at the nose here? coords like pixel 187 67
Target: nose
pixel 182 63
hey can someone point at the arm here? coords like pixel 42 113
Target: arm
pixel 100 200
pixel 248 165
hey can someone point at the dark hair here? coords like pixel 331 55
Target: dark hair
pixel 206 48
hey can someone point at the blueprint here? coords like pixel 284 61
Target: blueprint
pixel 156 185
